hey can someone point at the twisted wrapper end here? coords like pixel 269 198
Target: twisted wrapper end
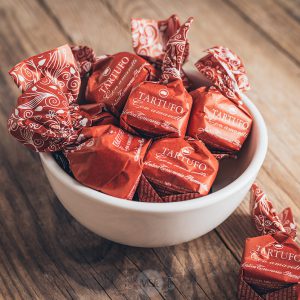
pixel 224 69
pixel 47 117
pixel 265 218
pixel 150 37
pixel 175 53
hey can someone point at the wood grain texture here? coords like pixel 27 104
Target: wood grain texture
pixel 44 252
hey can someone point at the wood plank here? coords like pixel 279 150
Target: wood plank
pixel 292 7
pixel 274 20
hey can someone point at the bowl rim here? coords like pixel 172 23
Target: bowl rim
pixel 242 181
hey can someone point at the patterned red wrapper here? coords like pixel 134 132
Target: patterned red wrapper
pixel 161 109
pixel 177 166
pixel 98 148
pixel 225 70
pixel 220 118
pixel 85 57
pixel 270 267
pixel 113 78
pixel 217 121
pixel 47 117
pixel 150 39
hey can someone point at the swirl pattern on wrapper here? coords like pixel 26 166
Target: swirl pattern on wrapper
pixel 84 57
pixel 58 64
pixel 269 265
pixel 44 120
pixel 175 53
pixel 150 38
pixel 47 117
pixel 265 218
pixel 224 69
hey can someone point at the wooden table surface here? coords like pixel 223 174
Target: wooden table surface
pixel 44 252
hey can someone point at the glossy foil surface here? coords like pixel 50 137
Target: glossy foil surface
pixel 150 39
pixel 217 121
pixel 178 165
pixel 109 160
pixel 113 78
pixel 162 109
pixel 155 109
pixel 270 267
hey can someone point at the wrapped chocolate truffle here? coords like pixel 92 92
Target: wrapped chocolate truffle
pixel 47 118
pixel 270 264
pixel 150 39
pixel 219 116
pixel 217 121
pixel 113 77
pixel 179 166
pixel 156 109
pixel 117 153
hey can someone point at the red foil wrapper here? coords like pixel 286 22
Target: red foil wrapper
pixel 160 109
pixel 150 39
pixel 47 117
pixel 270 267
pixel 58 65
pixel 179 166
pixel 225 70
pixel 85 57
pixel 117 153
pixel 113 78
pixel 217 121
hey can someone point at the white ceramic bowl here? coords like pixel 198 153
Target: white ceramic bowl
pixel 163 224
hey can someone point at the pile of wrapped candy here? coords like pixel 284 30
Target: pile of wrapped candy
pixel 131 125
pixel 270 267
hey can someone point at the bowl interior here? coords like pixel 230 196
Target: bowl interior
pixel 232 176
pixel 231 169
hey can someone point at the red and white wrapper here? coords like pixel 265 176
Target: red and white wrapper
pixel 270 267
pixel 265 218
pixel 225 70
pixel 150 39
pixel 47 117
pixel 117 153
pixel 217 121
pixel 113 78
pixel 58 65
pixel 176 167
pixel 85 57
pixel 157 109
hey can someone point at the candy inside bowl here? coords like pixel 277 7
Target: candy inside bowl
pixel 142 137
pixel 163 224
